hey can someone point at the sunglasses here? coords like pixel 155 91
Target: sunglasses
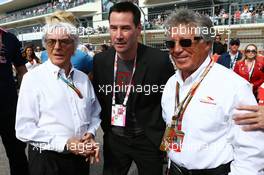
pixel 170 44
pixel 62 42
pixel 252 51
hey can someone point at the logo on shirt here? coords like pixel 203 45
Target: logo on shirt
pixel 123 80
pixel 208 100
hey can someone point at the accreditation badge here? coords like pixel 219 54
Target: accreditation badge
pixel 172 139
pixel 118 117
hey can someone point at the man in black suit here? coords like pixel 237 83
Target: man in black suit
pixel 129 79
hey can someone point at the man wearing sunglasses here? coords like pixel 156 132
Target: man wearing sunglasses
pixel 230 58
pixel 198 104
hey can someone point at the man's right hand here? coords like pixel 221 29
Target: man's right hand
pixel 77 147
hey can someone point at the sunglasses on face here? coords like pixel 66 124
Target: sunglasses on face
pixel 170 44
pixel 62 42
pixel 252 51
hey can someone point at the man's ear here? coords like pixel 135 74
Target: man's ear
pixel 208 46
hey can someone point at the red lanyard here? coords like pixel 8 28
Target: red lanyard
pixel 129 85
pixel 180 108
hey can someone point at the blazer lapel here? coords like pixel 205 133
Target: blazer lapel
pixel 109 67
pixel 141 67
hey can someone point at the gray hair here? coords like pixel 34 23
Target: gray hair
pixel 70 29
pixel 203 25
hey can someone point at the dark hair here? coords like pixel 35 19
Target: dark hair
pixel 104 47
pixel 235 41
pixel 127 7
pixel 24 54
pixel 219 36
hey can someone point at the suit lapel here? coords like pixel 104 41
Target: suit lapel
pixel 141 67
pixel 109 67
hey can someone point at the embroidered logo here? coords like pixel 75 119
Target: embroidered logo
pixel 208 100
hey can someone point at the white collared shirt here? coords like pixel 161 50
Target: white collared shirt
pixel 30 66
pixel 211 137
pixel 233 59
pixel 49 112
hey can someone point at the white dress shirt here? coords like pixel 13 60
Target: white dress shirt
pixel 211 137
pixel 38 54
pixel 49 112
pixel 30 66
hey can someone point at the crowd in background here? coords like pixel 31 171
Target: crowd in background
pixel 241 14
pixel 35 55
pixel 249 13
pixel 248 63
pixel 42 9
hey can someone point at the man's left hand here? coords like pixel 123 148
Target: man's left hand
pixel 254 120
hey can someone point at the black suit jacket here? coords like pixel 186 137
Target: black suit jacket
pixel 153 69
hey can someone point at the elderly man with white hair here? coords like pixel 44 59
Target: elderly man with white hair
pixel 199 103
pixel 58 112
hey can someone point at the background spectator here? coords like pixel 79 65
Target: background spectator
pixel 32 60
pixel 250 68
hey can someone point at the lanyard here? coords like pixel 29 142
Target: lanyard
pixel 180 108
pixel 71 85
pixel 130 82
pixel 250 72
pixel 233 62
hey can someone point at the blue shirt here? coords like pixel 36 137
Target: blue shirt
pixel 44 56
pixel 80 60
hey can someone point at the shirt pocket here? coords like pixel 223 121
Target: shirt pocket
pixel 84 106
pixel 208 114
pixel 84 116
